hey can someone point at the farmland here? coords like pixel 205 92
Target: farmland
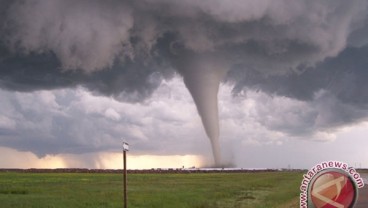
pixel 155 190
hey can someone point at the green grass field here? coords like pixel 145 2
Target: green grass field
pixel 195 190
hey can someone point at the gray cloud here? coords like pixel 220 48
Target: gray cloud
pixel 312 51
pixel 265 36
pixel 335 86
pixel 76 121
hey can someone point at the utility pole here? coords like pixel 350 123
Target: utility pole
pixel 125 149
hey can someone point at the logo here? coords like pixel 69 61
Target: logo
pixel 330 185
pixel 332 188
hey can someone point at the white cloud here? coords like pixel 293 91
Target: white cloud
pixel 112 114
pixel 6 123
pixel 89 40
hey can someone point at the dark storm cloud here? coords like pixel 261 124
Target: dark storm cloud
pixel 312 51
pixel 344 76
pixel 97 35
pixel 265 36
pixel 133 82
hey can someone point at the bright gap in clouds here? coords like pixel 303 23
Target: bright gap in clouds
pixel 78 129
pixel 101 160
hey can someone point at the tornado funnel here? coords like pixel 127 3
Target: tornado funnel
pixel 202 77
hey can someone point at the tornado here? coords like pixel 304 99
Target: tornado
pixel 202 77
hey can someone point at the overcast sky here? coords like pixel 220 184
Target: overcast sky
pixel 79 76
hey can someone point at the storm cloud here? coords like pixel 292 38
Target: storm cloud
pixel 310 52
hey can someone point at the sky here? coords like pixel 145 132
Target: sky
pixel 258 84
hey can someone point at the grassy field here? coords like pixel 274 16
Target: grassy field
pixel 199 190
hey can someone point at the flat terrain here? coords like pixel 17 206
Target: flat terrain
pixel 153 190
